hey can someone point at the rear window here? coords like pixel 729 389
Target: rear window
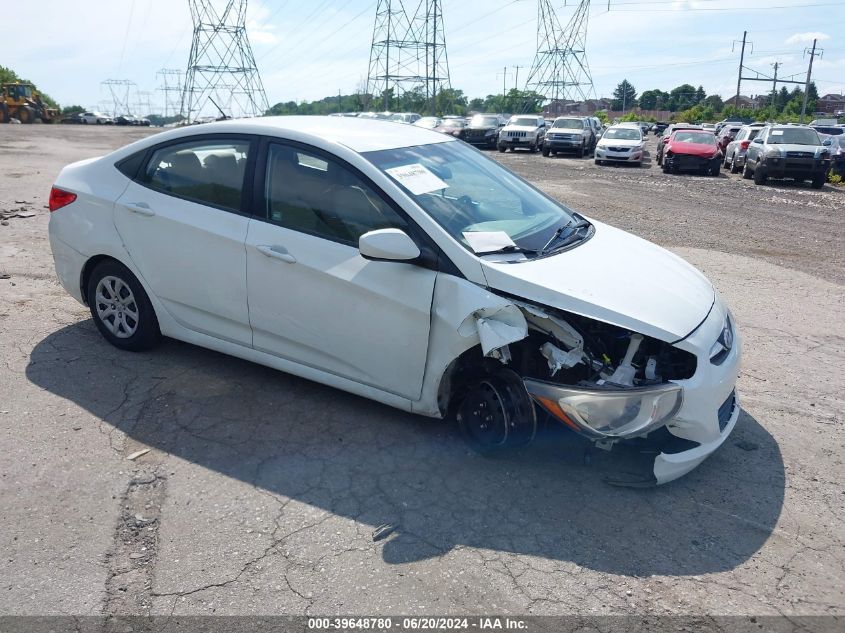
pixel 206 171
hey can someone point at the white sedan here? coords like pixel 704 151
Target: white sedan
pixel 404 266
pixel 621 143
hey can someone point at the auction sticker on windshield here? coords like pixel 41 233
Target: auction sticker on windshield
pixel 485 241
pixel 418 179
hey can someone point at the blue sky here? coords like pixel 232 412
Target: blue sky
pixel 310 49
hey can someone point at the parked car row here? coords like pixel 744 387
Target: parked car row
pixel 98 118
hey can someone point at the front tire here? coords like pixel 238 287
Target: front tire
pixel 546 151
pixel 121 308
pixel 759 177
pixel 818 182
pixel 581 151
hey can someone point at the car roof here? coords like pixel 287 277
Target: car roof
pixel 359 135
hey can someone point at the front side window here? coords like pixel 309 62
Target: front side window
pixel 466 192
pixel 206 171
pixel 312 194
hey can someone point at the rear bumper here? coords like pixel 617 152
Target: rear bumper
pixel 69 264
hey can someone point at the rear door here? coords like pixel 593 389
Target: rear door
pixel 184 222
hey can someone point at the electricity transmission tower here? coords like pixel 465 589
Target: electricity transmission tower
pixel 408 52
pixel 144 105
pixel 172 87
pixel 221 67
pixel 119 91
pixel 560 71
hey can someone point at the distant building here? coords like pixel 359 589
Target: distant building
pixel 831 103
pixel 743 102
pixel 558 107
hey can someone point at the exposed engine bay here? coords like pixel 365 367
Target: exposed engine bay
pixel 602 381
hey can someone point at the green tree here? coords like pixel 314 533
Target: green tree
pixel 625 96
pixel 654 99
pixel 700 95
pixel 74 109
pixel 715 102
pixel 682 97
pixel 476 105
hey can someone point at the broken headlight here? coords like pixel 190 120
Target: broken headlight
pixel 614 413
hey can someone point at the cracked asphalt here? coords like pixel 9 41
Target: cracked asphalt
pixel 260 492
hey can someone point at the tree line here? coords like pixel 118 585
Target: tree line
pixel 694 104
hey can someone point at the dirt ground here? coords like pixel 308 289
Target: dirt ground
pixel 261 491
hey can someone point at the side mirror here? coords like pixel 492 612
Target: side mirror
pixel 827 142
pixel 759 141
pixel 391 245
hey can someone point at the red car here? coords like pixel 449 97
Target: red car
pixel 727 134
pixel 454 127
pixel 692 150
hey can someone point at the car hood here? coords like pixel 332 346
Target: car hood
pixel 482 127
pixel 614 277
pixel 694 149
pixel 567 130
pixel 619 142
pixel 519 128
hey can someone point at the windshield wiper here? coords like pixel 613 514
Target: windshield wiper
pixel 580 224
pixel 510 248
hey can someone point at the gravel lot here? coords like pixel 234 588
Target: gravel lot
pixel 260 491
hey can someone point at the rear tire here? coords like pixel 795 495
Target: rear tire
pixel 746 172
pixel 121 308
pixel 735 168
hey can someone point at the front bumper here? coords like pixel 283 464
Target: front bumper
pixel 623 156
pixel 709 410
pixel 524 141
pixel 489 139
pixel 798 168
pixel 564 144
pixel 688 162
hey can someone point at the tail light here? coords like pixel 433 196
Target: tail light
pixel 744 144
pixel 60 198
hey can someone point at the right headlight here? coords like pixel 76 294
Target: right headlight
pixel 772 152
pixel 612 413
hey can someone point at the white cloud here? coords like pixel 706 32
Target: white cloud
pixel 807 38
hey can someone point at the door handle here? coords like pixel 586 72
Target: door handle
pixel 141 208
pixel 277 252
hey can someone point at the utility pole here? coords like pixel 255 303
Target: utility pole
pixel 516 79
pixel 813 54
pixel 504 74
pixel 739 75
pixel 776 65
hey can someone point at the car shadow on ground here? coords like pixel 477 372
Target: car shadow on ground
pixel 358 459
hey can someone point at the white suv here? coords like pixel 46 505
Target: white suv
pixel 528 131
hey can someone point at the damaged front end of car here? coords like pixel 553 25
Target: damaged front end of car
pixel 612 386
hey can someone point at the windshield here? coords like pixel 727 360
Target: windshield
pixel 793 136
pixel 624 133
pixel 484 121
pixel 466 192
pixel 523 121
pixel 454 123
pixel 689 136
pixel 572 124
